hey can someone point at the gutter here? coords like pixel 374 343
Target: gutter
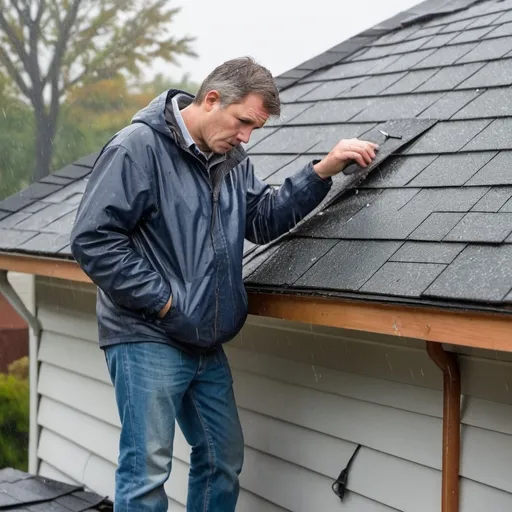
pixel 35 335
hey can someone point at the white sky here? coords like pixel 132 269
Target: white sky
pixel 279 34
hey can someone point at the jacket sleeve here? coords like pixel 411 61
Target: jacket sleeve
pixel 117 197
pixel 271 213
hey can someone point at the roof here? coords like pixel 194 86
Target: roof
pixel 23 491
pixel 431 224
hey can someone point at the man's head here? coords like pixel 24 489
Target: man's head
pixel 234 99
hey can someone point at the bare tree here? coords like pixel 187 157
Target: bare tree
pixel 49 46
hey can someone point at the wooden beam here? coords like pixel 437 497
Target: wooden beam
pixel 50 267
pixel 471 329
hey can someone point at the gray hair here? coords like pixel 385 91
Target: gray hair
pixel 237 78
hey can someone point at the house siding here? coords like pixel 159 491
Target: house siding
pixel 307 396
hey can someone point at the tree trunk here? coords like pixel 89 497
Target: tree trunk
pixel 45 134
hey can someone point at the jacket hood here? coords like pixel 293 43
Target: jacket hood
pixel 154 114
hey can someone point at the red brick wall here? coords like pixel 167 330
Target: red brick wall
pixel 13 335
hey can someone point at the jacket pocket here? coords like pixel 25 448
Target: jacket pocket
pixel 191 317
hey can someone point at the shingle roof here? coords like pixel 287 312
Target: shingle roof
pixel 23 491
pixel 432 223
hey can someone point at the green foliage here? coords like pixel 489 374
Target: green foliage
pixel 50 49
pixel 14 416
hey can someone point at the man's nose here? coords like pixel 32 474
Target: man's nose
pixel 244 135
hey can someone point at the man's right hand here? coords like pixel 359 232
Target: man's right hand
pixel 166 308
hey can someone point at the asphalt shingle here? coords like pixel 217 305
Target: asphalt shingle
pixel 295 92
pixel 492 74
pixel 403 279
pixel 496 172
pixel 450 137
pixel 445 56
pixel 436 226
pixel 408 61
pixel 496 135
pixel 488 49
pixel 451 170
pixel 374 85
pixel 481 273
pixel 421 252
pixel 266 165
pixel 494 200
pixel 482 227
pixel 449 78
pixel 334 111
pixel 449 105
pixel 491 103
pixel 348 265
pixel 410 81
pixel 332 89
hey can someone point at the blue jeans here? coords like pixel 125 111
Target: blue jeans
pixel 156 384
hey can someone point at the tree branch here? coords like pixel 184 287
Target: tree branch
pixel 60 46
pixel 11 69
pixel 16 43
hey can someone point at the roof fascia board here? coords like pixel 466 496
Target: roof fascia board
pixel 470 329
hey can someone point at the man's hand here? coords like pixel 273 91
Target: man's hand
pixel 166 308
pixel 360 151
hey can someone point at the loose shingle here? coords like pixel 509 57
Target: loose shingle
pixel 488 49
pixel 291 261
pixel 451 170
pixel 495 136
pixel 265 165
pixel 348 265
pixel 396 107
pixel 492 103
pixel 482 273
pixel 403 279
pixel 450 104
pixel 493 200
pixel 449 137
pixel 482 227
pixel 450 77
pixel 436 226
pixel 431 252
pixel 331 89
pixel 410 82
pixel 397 172
pixel 494 73
pixel 334 111
pixel 496 172
pixel 374 85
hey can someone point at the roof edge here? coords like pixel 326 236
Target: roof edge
pixel 424 11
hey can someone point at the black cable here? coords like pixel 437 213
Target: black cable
pixel 340 485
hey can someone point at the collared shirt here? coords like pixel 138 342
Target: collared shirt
pixel 210 158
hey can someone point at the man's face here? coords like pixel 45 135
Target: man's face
pixel 226 127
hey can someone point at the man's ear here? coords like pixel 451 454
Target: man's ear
pixel 211 99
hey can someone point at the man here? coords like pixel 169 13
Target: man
pixel 160 231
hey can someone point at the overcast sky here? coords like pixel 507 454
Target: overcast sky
pixel 280 34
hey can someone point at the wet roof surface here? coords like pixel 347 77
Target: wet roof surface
pixel 431 222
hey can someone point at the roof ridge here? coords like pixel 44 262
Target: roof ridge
pixel 424 11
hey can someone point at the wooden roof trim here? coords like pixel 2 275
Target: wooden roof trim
pixel 41 266
pixel 471 329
